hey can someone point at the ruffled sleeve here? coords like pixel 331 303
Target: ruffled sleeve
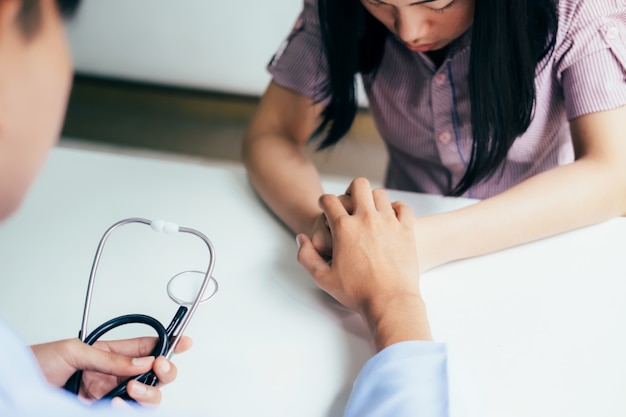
pixel 591 55
pixel 299 63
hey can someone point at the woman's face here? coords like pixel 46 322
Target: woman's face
pixel 424 25
pixel 35 80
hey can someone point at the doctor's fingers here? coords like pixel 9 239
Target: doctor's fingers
pixel 166 373
pixel 321 238
pixel 333 208
pixel 404 213
pixel 346 200
pixel 90 358
pixel 360 192
pixel 144 394
pixel 139 346
pixel 381 201
pixel 165 370
pixel 310 259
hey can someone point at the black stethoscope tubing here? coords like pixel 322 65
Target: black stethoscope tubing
pixel 162 345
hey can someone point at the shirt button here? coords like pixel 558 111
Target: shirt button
pixel 612 32
pixel 445 138
pixel 440 79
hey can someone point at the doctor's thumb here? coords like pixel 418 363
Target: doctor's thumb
pixel 309 258
pixel 89 358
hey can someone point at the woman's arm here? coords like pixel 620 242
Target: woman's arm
pixel 280 172
pixel 588 191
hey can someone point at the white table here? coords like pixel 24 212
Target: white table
pixel 541 327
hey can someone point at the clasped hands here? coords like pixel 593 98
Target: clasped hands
pixel 372 266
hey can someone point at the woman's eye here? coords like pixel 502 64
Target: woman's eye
pixel 375 3
pixel 444 8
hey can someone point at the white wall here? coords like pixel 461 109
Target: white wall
pixel 219 45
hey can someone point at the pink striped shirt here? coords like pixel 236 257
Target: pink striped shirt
pixel 423 112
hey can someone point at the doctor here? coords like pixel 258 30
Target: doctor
pixel 35 79
pixel 374 269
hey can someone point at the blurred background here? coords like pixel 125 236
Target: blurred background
pixel 182 80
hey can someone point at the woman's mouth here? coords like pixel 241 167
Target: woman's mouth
pixel 424 47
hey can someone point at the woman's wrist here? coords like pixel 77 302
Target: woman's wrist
pixel 433 246
pixel 310 221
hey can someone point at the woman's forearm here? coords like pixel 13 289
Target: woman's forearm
pixel 569 197
pixel 285 179
pixel 273 154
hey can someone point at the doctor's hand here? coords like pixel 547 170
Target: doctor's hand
pixel 106 364
pixel 374 269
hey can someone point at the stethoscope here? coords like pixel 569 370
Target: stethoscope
pixel 167 338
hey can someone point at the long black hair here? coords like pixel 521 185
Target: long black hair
pixel 509 40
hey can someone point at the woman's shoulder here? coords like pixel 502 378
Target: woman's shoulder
pixel 576 13
pixel 309 10
pixel 579 20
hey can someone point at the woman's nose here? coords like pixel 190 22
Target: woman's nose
pixel 410 26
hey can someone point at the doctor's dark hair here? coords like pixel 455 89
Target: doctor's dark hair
pixel 509 40
pixel 29 16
